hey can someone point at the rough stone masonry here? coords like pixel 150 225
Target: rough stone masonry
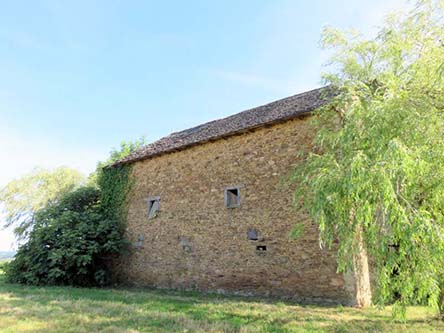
pixel 211 209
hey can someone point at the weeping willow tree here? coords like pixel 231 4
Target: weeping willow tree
pixel 376 174
pixel 22 198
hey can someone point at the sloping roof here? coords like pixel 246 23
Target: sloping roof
pixel 274 112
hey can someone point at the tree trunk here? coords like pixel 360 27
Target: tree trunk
pixel 362 273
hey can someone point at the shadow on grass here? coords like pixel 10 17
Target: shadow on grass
pixel 67 309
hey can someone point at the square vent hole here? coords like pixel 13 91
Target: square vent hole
pixel 252 234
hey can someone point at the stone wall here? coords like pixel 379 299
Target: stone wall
pixel 195 242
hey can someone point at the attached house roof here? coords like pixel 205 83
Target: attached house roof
pixel 274 112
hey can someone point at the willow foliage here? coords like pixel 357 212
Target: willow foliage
pixel 22 198
pixel 378 162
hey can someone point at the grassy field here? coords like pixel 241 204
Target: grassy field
pixel 54 309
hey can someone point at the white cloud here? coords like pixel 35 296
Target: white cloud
pixel 7 241
pixel 374 14
pixel 281 86
pixel 285 39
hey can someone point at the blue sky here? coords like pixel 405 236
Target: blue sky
pixel 77 77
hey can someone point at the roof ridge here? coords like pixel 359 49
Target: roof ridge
pixel 250 109
pixel 275 111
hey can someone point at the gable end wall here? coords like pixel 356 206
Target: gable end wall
pixel 195 242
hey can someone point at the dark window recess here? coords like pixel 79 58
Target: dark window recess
pixel 153 207
pixel 232 197
pixel 252 234
pixel 187 248
pixel 261 248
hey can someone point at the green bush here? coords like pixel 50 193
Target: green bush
pixel 72 243
pixel 3 264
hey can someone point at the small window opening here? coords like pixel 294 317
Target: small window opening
pixel 140 241
pixel 232 197
pixel 261 248
pixel 185 244
pixel 153 207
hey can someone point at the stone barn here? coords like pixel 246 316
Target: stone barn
pixel 211 210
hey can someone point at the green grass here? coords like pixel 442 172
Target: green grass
pixel 63 309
